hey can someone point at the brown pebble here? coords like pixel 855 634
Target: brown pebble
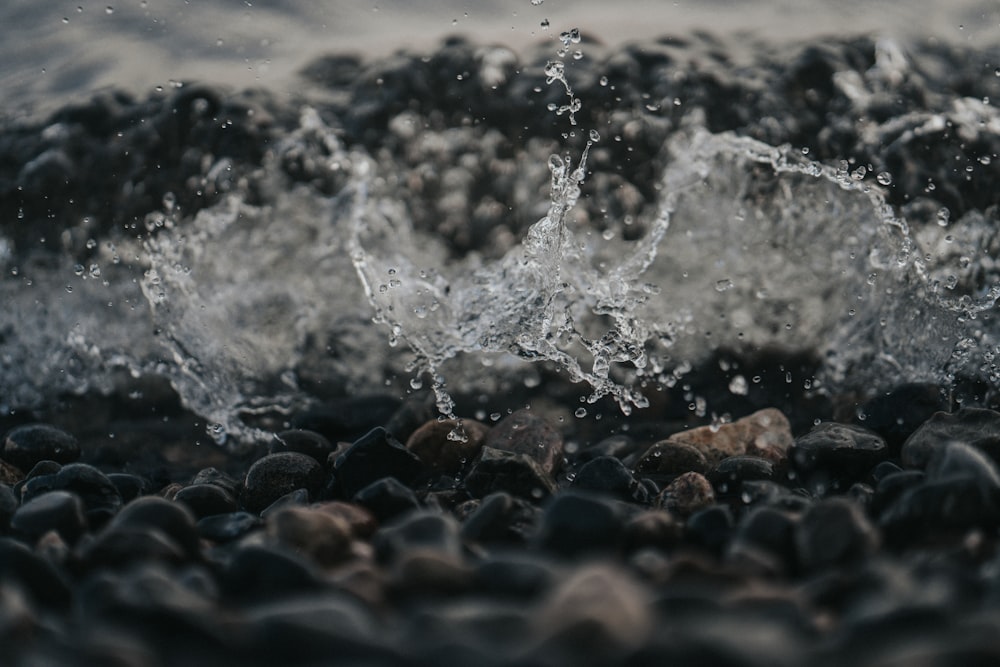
pixel 526 433
pixel 9 473
pixel 362 522
pixel 766 433
pixel 430 442
pixel 324 537
pixel 687 494
pixel 170 490
pixel 653 528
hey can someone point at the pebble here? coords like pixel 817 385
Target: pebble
pixel 302 441
pixel 267 574
pixel 20 567
pixel 295 498
pixel 515 473
pixel 8 505
pixel 375 455
pixel 120 546
pixel 227 527
pixel 656 529
pixel 896 414
pixel 363 524
pixel 669 458
pixel 840 452
pixel 173 519
pixel 59 511
pixel 686 494
pixel 24 446
pixel 500 518
pixel 207 499
pixel 421 530
pixel 348 418
pixel 274 475
pixel 100 496
pixel 524 432
pixel 834 532
pixel 432 445
pixel 129 486
pixel 765 433
pixel 728 475
pixel 710 528
pixel 977 427
pixel 576 524
pixel 320 536
pixel 608 475
pixel 515 575
pixel 219 478
pixel 386 498
pixel 769 529
pixel 10 474
pixel 619 446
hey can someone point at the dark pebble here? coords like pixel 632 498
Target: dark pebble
pixel 120 546
pixel 422 530
pixel 99 495
pixel 771 530
pixel 274 475
pixel 728 475
pixel 296 498
pixel 171 518
pixel 837 454
pixel 386 498
pixel 61 511
pixel 686 494
pixel 431 443
pixel 575 524
pixel 524 432
pixel 519 575
pixel 669 458
pixel 618 446
pixel 834 532
pixel 656 529
pixel 302 441
pixel 46 467
pixel 515 473
pixel 320 536
pixel 8 505
pixel 898 413
pixel 219 478
pixel 977 427
pixel 10 474
pixel 710 528
pixel 500 518
pixel 24 446
pixel 375 455
pixel 206 499
pixel 266 574
pixel 608 475
pixel 21 567
pixel 129 486
pixel 227 527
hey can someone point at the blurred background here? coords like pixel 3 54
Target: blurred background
pixel 56 51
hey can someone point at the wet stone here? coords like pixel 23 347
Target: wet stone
pixel 119 546
pixel 348 418
pixel 20 566
pixel 217 477
pixel 770 529
pixel 10 474
pixel 765 433
pixel 576 524
pixel 519 575
pixel 99 495
pixel 267 574
pixel 668 458
pixel 173 519
pixel 227 527
pixel 618 446
pixel 657 529
pixel 841 451
pixel 129 486
pixel 363 524
pixel 512 472
pixel 24 446
pixel 729 474
pixel 302 441
pixel 834 532
pixel 898 413
pixel 386 498
pixel 422 530
pixel 274 475
pixel 374 456
pixel 977 427
pixel 296 498
pixel 59 511
pixel 710 528
pixel 686 494
pixel 608 475
pixel 322 537
pixel 526 433
pixel 500 518
pixel 206 499
pixel 431 443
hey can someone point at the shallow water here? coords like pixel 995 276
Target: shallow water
pixel 465 243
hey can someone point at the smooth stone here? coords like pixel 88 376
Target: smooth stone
pixel 386 498
pixel 670 458
pixel 363 524
pixel 939 508
pixel 302 441
pixel 608 475
pixel 375 455
pixel 423 574
pixel 24 446
pixel 840 451
pixel 520 575
pixel 227 527
pixel 710 528
pixel 770 529
pixel 215 476
pixel 512 472
pixel 834 532
pixel 59 511
pixel 264 573
pixel 10 474
pixel 296 498
pixel 99 495
pixel 206 499
pixel 960 459
pixel 729 474
pixel 45 467
pixel 118 547
pixel 274 475
pixel 500 518
pixel 618 446
pixel 20 566
pixel 977 427
pixel 524 432
pixel 431 443
pixel 657 529
pixel 576 524
pixel 421 530
pixel 322 537
pixel 896 414
pixel 173 519
pixel 686 494
pixel 129 486
pixel 765 433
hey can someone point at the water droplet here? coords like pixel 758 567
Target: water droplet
pixel 535 3
pixel 738 385
pixel 416 383
pixel 604 81
pixel 78 269
pixel 723 285
pixel 545 24
pixel 595 136
pixel 109 10
pixel 943 216
pixel 884 178
pixel 580 413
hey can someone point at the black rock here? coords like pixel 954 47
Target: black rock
pixel 837 454
pixel 348 418
pixel 173 519
pixel 24 446
pixel 728 475
pixel 897 414
pixel 296 498
pixel 387 498
pixel 710 528
pixel 207 499
pixel 501 518
pixel 219 478
pixel 99 495
pixel 375 455
pixel 515 473
pixel 576 524
pixel 21 567
pixel 977 427
pixel 618 446
pixel 46 467
pixel 608 475
pixel 129 486
pixel 302 441
pixel 120 546
pixel 264 573
pixel 422 530
pixel 8 505
pixel 834 532
pixel 228 527
pixel 520 575
pixel 769 529
pixel 524 432
pixel 61 511
pixel 274 475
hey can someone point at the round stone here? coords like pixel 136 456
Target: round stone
pixel 274 475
